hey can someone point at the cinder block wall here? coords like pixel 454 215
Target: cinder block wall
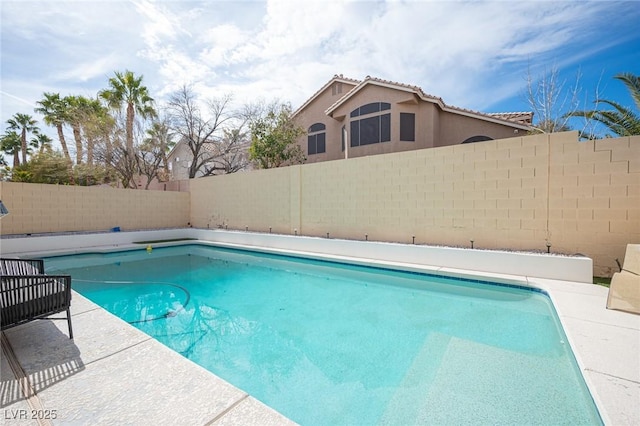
pixel 516 194
pixel 594 205
pixel 258 200
pixel 37 208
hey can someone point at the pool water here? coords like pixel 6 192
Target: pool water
pixel 326 343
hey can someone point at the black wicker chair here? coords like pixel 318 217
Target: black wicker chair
pixel 27 293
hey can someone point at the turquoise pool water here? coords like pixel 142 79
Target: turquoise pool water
pixel 326 343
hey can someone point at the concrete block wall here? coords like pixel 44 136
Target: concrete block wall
pixel 594 205
pixel 35 208
pixel 517 194
pixel 258 200
pixel 493 193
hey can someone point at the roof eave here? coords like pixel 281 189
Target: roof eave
pixel 486 118
pixel 427 98
pixel 335 79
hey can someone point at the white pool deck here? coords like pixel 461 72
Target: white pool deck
pixel 112 373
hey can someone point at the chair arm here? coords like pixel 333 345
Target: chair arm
pixel 27 297
pixel 21 266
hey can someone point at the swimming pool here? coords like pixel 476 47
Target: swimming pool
pixel 341 344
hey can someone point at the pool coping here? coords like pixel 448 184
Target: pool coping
pixel 543 265
pixel 605 343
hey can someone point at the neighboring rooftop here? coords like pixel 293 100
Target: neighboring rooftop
pixel 522 118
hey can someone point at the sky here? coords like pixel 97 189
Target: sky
pixel 472 54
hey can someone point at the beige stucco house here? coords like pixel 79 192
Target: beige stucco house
pixel 349 118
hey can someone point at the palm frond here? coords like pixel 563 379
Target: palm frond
pixel 622 121
pixel 633 85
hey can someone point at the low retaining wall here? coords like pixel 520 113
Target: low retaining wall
pixel 439 259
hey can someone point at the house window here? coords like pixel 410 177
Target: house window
pixel 371 129
pixel 477 138
pixel 316 139
pixel 370 108
pixel 407 127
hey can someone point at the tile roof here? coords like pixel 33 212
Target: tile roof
pixel 520 116
pixel 512 118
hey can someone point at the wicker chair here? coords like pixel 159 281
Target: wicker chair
pixel 27 293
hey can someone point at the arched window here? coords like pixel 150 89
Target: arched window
pixel 373 127
pixel 316 139
pixel 477 138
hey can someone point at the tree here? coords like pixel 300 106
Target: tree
pixel 201 133
pixel 41 142
pixel 97 125
pixel 23 123
pixel 44 167
pixel 150 156
pixel 550 100
pixel 234 145
pixel 160 137
pixel 55 110
pixel 126 90
pixel 273 138
pixel 11 144
pixel 622 121
pixel 122 161
pixel 79 109
pixel 87 175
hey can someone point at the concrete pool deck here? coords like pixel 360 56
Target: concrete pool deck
pixel 114 373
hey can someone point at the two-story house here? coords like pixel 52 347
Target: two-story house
pixel 349 118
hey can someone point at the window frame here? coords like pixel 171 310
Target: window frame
pixel 317 137
pixel 407 129
pixel 368 120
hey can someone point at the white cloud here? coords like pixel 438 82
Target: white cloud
pixel 221 43
pixel 159 23
pixel 87 70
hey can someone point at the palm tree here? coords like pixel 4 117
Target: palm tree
pixel 10 143
pixel 24 124
pixel 55 111
pixel 160 135
pixel 79 111
pixel 41 142
pixel 622 121
pixel 98 125
pixel 127 89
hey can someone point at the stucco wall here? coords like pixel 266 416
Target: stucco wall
pixel 180 161
pixel 519 193
pixel 315 113
pixel 37 208
pixel 455 128
pixel 433 127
